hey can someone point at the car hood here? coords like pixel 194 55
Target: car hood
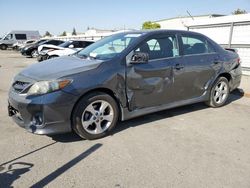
pixel 49 46
pixel 59 67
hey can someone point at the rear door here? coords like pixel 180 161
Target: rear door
pixel 151 84
pixel 200 62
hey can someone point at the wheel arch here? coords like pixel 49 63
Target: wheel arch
pixel 102 90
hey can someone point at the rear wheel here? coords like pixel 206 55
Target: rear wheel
pixel 95 115
pixel 3 47
pixel 219 93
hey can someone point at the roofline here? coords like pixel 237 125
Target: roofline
pixel 211 15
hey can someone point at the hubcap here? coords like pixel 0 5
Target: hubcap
pixel 97 117
pixel 220 92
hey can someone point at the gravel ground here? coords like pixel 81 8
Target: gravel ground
pixel 191 146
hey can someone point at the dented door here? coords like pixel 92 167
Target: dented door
pixel 149 84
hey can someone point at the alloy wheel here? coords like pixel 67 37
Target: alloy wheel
pixel 220 92
pixel 97 117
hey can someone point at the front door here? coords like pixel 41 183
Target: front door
pixel 151 84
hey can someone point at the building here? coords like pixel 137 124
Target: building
pixel 231 31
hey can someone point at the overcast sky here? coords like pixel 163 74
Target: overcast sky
pixel 57 16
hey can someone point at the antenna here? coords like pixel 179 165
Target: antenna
pixel 190 15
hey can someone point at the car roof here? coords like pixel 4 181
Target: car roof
pixel 161 31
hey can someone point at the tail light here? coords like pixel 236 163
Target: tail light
pixel 239 61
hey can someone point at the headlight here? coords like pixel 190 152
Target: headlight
pixel 43 87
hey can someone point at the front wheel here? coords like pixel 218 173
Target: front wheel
pixel 3 47
pixel 34 53
pixel 219 93
pixel 95 115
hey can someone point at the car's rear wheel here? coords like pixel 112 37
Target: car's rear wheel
pixel 219 93
pixel 95 115
pixel 34 53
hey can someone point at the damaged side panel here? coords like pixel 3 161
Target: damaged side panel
pixel 149 82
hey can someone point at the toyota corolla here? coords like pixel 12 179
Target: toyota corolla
pixel 121 77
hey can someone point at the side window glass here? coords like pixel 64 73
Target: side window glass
pixel 21 36
pixel 8 37
pixel 153 45
pixel 76 44
pixel 158 48
pixel 196 45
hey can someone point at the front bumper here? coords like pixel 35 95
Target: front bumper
pixel 44 114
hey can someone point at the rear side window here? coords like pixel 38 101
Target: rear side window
pixel 196 45
pixel 158 48
pixel 21 36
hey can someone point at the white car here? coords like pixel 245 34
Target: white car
pixel 67 48
pixel 19 45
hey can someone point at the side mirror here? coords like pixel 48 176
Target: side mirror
pixel 71 46
pixel 139 57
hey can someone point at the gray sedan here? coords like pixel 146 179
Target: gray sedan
pixel 121 77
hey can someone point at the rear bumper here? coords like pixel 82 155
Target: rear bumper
pixel 236 78
pixel 45 114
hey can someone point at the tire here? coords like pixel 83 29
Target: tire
pixel 219 93
pixel 3 47
pixel 90 121
pixel 34 53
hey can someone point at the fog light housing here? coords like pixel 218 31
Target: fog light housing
pixel 37 120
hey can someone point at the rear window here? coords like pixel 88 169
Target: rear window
pixel 21 36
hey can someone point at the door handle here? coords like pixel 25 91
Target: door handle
pixel 179 66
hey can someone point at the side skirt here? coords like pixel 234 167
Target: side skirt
pixel 126 114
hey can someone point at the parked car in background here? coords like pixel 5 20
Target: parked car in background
pixel 121 77
pixel 17 36
pixel 48 51
pixel 31 50
pixel 19 45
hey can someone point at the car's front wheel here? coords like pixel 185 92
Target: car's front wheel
pixel 219 93
pixel 95 115
pixel 34 53
pixel 3 47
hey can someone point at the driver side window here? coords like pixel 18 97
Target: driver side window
pixel 158 48
pixel 8 37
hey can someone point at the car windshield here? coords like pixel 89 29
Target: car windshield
pixel 108 47
pixel 65 44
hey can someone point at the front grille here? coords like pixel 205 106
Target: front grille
pixel 20 86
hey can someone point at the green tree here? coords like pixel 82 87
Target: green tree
pixel 239 11
pixel 47 34
pixel 74 31
pixel 64 34
pixel 150 25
